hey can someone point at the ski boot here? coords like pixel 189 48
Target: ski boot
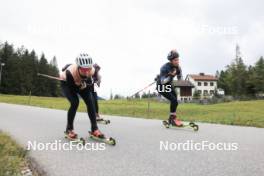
pixel 174 121
pixel 72 136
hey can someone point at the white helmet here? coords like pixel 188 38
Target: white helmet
pixel 84 61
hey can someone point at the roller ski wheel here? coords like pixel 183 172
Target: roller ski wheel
pixel 166 124
pixel 76 139
pixel 110 140
pixel 194 126
pixel 103 121
pixel 191 125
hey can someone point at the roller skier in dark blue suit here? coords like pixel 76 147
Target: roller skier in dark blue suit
pixel 165 84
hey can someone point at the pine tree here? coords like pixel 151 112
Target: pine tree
pixel 251 81
pixel 34 60
pixel 259 75
pixel 54 85
pixel 42 82
pixel 237 73
pixel 223 82
pixel 7 51
pixel 20 72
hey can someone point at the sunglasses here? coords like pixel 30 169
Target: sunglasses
pixel 85 69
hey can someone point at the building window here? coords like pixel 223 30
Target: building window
pixel 205 83
pixel 205 92
pixel 199 83
pixel 211 83
pixel 200 92
pixel 211 92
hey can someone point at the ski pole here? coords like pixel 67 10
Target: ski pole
pixel 143 89
pixel 51 77
pixel 57 78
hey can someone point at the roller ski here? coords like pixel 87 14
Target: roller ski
pixel 98 136
pixel 73 137
pixel 173 122
pixel 101 120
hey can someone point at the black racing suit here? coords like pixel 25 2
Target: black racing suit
pixel 164 79
pixel 71 92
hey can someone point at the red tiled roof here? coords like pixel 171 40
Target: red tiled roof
pixel 203 77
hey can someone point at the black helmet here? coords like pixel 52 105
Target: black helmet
pixel 172 55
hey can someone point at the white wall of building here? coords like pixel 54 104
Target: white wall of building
pixel 202 87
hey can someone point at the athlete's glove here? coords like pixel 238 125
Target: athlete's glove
pixel 157 78
pixel 165 80
pixel 83 85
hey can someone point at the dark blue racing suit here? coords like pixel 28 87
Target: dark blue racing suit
pixel 166 79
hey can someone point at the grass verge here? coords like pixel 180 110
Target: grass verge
pixel 244 113
pixel 12 156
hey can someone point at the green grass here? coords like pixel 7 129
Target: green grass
pixel 12 156
pixel 245 113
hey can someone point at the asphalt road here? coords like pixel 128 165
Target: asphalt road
pixel 138 151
